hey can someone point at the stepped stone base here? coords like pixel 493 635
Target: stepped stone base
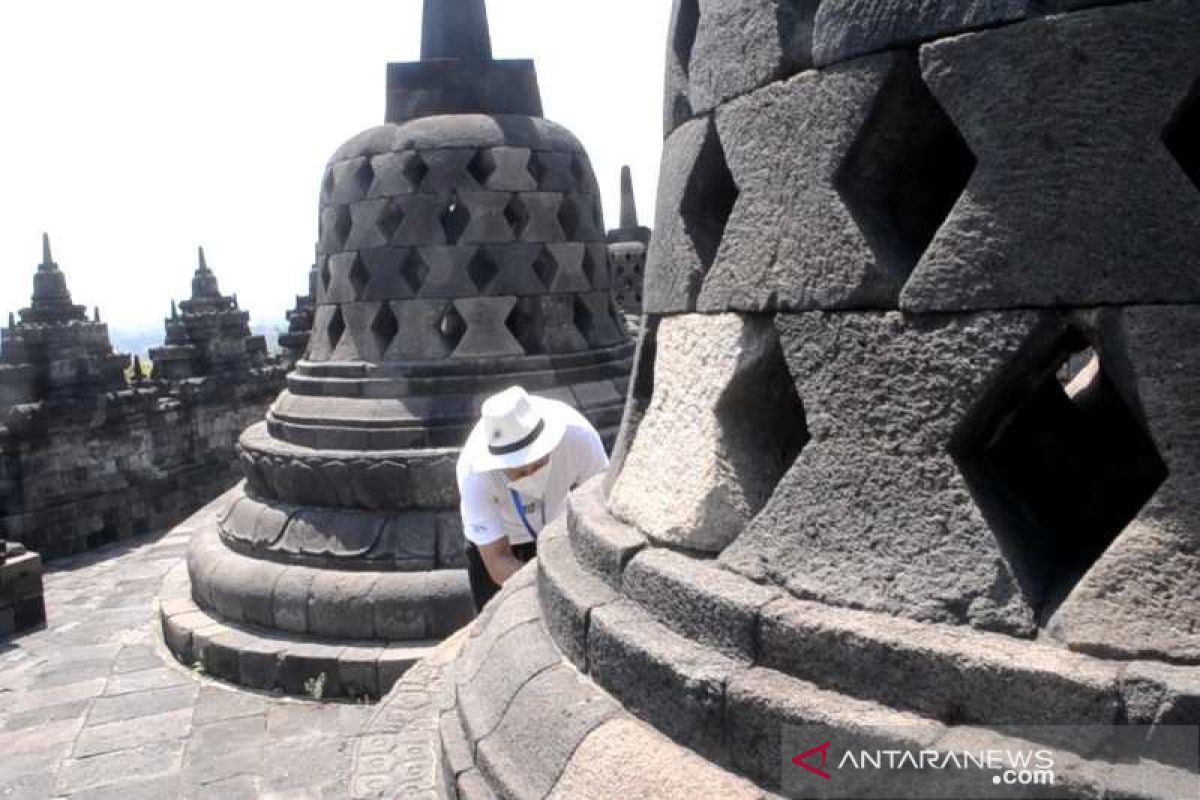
pixel 21 605
pixel 270 660
pixel 609 668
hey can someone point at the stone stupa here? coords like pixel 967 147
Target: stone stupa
pixel 461 251
pixel 54 350
pixel 207 334
pixel 911 453
pixel 294 341
pixel 627 247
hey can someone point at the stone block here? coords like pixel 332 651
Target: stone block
pixel 627 758
pixel 698 600
pixel 548 719
pixel 341 605
pixel 741 45
pixel 826 166
pixel 676 685
pixel 723 426
pixel 289 599
pixel 938 671
pixel 762 704
pixel 681 254
pixel 485 697
pixel 847 28
pixel 602 544
pixel 568 593
pixel 880 450
pixel 1081 195
pixel 1138 599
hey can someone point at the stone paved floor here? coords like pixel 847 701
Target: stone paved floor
pixel 93 707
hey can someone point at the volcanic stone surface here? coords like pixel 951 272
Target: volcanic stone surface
pixel 909 452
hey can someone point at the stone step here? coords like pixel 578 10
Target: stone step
pixel 273 661
pixel 946 672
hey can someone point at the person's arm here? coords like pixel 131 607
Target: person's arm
pixel 499 560
pixel 484 529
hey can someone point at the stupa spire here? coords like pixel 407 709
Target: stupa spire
pixel 629 217
pixel 455 29
pixel 47 259
pixel 202 261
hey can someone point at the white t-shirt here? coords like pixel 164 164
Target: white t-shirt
pixel 488 511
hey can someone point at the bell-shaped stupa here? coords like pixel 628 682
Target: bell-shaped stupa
pixel 911 454
pixel 461 251
pixel 55 350
pixel 207 334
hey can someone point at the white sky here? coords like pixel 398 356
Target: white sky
pixel 134 130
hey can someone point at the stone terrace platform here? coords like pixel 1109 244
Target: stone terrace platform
pixel 93 706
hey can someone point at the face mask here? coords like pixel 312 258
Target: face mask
pixel 532 485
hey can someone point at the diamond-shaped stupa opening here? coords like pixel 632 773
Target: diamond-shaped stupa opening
pixel 360 276
pixel 336 328
pixel 568 217
pixel 326 275
pixel 589 267
pixel 415 169
pixel 364 176
pixel 708 199
pixel 1059 464
pixel 341 225
pixel 452 327
pixel 482 269
pixel 455 219
pixel 1182 135
pixel 517 216
pixel 535 167
pixel 584 321
pixel 687 22
pixel 525 323
pixel 384 327
pixel 905 171
pixel 414 270
pixel 546 268
pixel 481 166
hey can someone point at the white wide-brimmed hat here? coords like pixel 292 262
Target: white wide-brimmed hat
pixel 515 429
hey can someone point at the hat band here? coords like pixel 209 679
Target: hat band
pixel 505 449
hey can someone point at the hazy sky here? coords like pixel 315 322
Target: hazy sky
pixel 134 130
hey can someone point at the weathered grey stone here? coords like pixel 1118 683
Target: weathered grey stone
pixel 741 45
pixel 626 758
pixel 1067 206
pixel 764 708
pixel 724 425
pixel 568 593
pixel 676 684
pixel 847 28
pixel 484 698
pixel 340 605
pixel 676 264
pixel 793 241
pixel 602 544
pixel 1138 599
pixel 548 718
pixel 940 672
pixel 699 600
pixel 879 450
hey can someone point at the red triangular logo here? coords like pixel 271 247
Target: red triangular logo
pixel 802 760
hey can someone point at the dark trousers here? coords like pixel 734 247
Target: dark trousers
pixel 483 588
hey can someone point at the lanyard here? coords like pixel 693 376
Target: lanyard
pixel 516 498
